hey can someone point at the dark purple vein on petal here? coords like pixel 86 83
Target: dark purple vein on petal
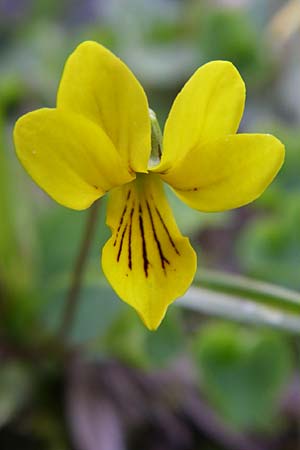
pixel 144 248
pixel 163 259
pixel 121 242
pixel 122 218
pixel 129 238
pixel 167 231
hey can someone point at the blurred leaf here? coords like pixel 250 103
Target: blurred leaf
pixel 96 312
pixel 35 62
pixel 126 338
pixel 97 309
pixel 163 32
pixel 232 35
pixel 15 387
pixel 10 91
pixel 17 248
pixel 7 227
pixel 60 233
pixel 167 342
pixel 243 372
pixel 60 237
pixel 130 341
pixel 270 249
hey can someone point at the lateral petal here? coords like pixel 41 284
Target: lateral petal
pixel 68 156
pixel 98 85
pixel 228 172
pixel 209 106
pixel 147 261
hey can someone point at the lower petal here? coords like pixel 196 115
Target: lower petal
pixel 147 261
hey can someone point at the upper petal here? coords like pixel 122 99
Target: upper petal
pixel 68 156
pixel 228 172
pixel 209 106
pixel 100 86
pixel 147 261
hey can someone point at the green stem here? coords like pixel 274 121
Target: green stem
pixel 240 309
pixel 240 286
pixel 235 297
pixel 73 295
pixel 156 139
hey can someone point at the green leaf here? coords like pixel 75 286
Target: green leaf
pixel 270 248
pixel 167 342
pixel 243 372
pixel 15 387
pixel 232 35
pixel 17 241
pixel 98 307
pixel 130 341
pixel 60 233
pixel 126 338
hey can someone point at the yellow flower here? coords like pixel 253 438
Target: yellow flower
pixel 98 139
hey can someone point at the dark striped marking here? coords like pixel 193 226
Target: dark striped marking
pixel 163 259
pixel 129 238
pixel 122 218
pixel 144 248
pixel 195 189
pixel 121 243
pixel 167 231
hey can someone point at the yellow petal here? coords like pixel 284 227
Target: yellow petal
pixel 228 172
pixel 100 86
pixel 209 106
pixel 147 261
pixel 68 156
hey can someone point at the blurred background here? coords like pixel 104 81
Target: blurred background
pixel 215 375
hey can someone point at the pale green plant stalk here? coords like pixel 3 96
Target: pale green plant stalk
pixel 73 294
pixel 241 299
pixel 261 292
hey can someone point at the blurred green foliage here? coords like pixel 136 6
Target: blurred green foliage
pixel 131 342
pixel 15 389
pixel 242 372
pixel 232 35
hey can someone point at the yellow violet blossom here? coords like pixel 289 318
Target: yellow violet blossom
pixel 98 140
